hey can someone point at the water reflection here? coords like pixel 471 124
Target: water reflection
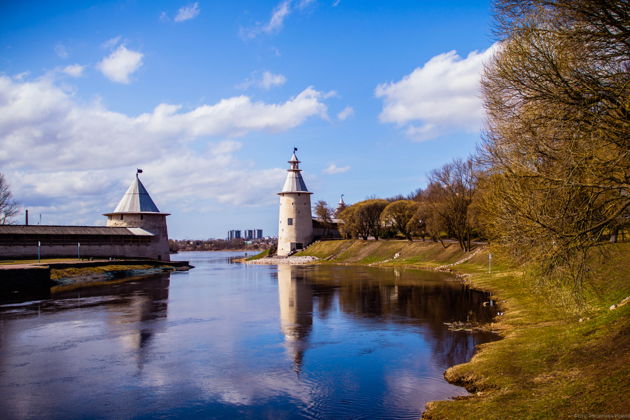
pixel 296 312
pixel 414 298
pixel 235 341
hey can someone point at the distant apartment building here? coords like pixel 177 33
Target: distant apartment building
pixel 253 234
pixel 234 234
pixel 247 234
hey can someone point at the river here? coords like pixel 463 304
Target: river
pixel 229 341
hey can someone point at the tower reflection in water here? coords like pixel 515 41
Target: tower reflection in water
pixel 296 312
pixel 422 301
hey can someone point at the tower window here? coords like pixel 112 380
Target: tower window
pixel 141 216
pixel 121 217
pixel 290 221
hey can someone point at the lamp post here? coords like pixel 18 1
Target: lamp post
pixel 489 263
pixel 39 244
pixel 78 250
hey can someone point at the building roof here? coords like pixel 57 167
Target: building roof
pixel 71 230
pixel 294 182
pixel 136 200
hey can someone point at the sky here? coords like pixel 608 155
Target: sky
pixel 210 97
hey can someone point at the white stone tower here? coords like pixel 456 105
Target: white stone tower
pixel 137 210
pixel 295 230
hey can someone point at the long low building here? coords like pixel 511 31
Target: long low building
pixel 135 229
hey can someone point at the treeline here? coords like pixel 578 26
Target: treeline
pixel 219 244
pixel 551 179
pixel 443 210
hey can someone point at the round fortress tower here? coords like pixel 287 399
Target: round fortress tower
pixel 137 210
pixel 295 229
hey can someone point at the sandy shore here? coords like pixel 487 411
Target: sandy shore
pixel 294 260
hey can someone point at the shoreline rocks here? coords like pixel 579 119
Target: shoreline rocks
pixel 293 260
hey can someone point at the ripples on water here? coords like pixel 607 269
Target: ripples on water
pixel 239 341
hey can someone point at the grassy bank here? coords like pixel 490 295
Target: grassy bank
pixel 56 274
pixel 262 254
pixel 558 359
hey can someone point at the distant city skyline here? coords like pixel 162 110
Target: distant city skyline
pixel 209 98
pixel 244 234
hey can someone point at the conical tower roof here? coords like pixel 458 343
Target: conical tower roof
pixel 136 200
pixel 294 182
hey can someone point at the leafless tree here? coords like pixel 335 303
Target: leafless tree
pixel 8 207
pixel 557 144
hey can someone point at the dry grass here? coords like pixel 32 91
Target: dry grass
pixel 56 274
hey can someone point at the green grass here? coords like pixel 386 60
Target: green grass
pixel 258 256
pixel 548 365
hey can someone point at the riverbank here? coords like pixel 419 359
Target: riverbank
pixel 559 357
pixel 292 260
pixel 26 278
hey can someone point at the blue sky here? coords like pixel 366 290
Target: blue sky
pixel 210 97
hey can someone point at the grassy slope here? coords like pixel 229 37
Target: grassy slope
pixel 549 364
pixel 258 256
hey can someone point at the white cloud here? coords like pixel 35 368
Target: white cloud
pixel 270 80
pixel 334 169
pixel 164 17
pixel 61 51
pixel 336 3
pixel 440 97
pixel 305 3
pixel 187 12
pixel 265 80
pixel 74 70
pixel 275 23
pixel 120 64
pixel 111 43
pixel 53 146
pixel 278 15
pixel 345 113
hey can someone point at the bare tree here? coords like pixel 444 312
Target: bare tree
pixel 557 145
pixel 447 199
pixel 8 207
pixel 323 212
pixel 324 215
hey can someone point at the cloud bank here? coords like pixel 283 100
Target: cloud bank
pixel 438 98
pixel 54 146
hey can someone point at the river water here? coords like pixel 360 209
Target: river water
pixel 230 341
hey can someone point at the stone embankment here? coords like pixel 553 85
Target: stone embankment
pixel 293 260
